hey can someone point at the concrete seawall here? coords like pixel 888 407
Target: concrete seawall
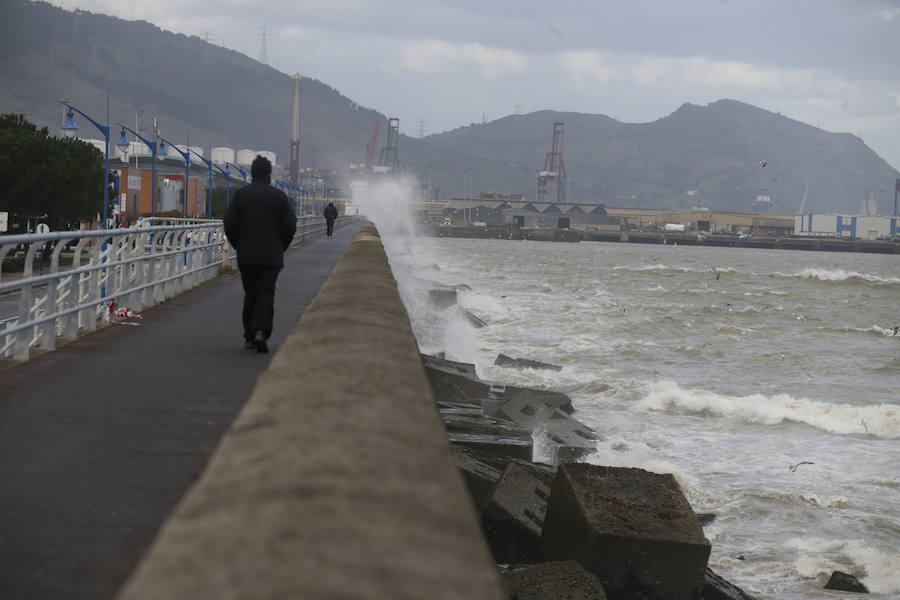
pixel 337 479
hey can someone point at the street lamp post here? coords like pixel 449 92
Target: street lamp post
pixel 240 170
pixel 155 152
pixel 70 127
pixel 187 168
pixel 209 169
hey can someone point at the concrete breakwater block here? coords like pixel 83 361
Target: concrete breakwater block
pixel 473 320
pixel 513 447
pixel 545 397
pixel 455 420
pixel 633 529
pixel 442 297
pixel 513 518
pixel 552 581
pixel 523 363
pixel 482 470
pixel 717 588
pixel 565 438
pixel 481 476
pixel 454 381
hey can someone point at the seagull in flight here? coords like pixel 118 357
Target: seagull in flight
pixel 793 468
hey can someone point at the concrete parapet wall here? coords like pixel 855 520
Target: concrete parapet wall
pixel 337 479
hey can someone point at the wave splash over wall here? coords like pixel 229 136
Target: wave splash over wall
pixel 387 202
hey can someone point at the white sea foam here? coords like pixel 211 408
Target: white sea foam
pixel 653 267
pixel 619 453
pixel 840 275
pixel 879 420
pixel 485 307
pixel 877 567
pixel 875 329
pixel 801 498
pixel 664 267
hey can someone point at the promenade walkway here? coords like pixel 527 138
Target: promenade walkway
pixel 100 438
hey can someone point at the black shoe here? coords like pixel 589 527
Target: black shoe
pixel 259 340
pixel 249 345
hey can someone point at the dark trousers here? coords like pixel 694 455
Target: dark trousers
pixel 329 223
pixel 259 299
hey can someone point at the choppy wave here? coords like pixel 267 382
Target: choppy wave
pixel 840 275
pixel 663 267
pixel 802 498
pixel 879 420
pixel 874 329
pixel 876 566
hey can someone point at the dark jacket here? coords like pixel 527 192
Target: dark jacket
pixel 260 224
pixel 330 212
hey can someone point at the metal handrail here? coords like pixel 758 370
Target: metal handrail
pixel 138 267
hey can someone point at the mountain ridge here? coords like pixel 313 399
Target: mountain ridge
pixel 207 95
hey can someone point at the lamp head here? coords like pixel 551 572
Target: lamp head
pixel 70 127
pixel 161 151
pixel 123 144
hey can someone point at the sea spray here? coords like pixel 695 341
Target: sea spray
pixel 387 202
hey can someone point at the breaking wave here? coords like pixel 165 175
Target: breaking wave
pixel 840 275
pixel 662 267
pixel 876 566
pixel 879 420
pixel 874 329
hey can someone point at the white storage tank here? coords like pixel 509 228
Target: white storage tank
pixel 245 157
pixel 269 155
pixel 222 155
pixel 134 149
pixel 196 151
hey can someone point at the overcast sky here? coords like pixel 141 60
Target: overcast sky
pixel 441 64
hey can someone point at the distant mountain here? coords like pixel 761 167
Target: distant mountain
pixel 218 95
pixel 698 155
pixel 704 155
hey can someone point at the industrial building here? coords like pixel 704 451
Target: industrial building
pixel 134 176
pixel 846 226
pixel 497 209
pixel 702 220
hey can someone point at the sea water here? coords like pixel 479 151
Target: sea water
pixel 766 381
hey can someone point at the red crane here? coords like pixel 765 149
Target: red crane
pixel 370 151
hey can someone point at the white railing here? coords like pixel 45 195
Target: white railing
pixel 80 272
pixel 68 279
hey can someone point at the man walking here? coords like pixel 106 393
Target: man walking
pixel 260 224
pixel 330 214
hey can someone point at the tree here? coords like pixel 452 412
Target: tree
pixel 55 179
pixel 219 203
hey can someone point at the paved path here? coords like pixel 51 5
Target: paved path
pixel 100 438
